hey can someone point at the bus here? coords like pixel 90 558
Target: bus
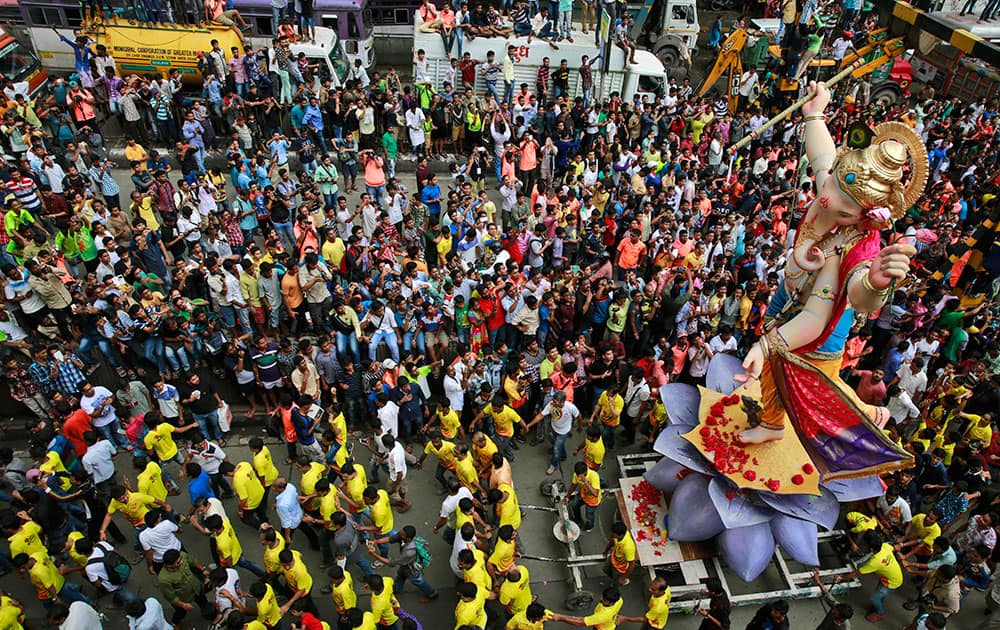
pixel 345 18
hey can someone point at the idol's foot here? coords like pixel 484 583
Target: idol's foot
pixel 761 434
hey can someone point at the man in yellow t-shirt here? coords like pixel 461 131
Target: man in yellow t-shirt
pixel 228 545
pixel 250 493
pixel 263 464
pixel 448 420
pixel 11 613
pixel 355 480
pixel 504 420
pixel 297 578
pixel 380 510
pixel 133 505
pixel 472 562
pixel 885 565
pixel 605 615
pixel 471 607
pixel 586 495
pixel 515 592
pixel 534 617
pixel 657 608
pixel 465 469
pixel 609 410
pixel 342 588
pixel 25 538
pixel 920 535
pixel 444 451
pixel 593 448
pixel 269 612
pixel 45 576
pixel 507 508
pixel 621 553
pixel 384 604
pixel 483 449
pixel 273 544
pixel 358 619
pixel 504 552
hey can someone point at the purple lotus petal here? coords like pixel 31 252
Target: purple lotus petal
pixel 721 371
pixel 747 550
pixel 847 490
pixel 822 510
pixel 671 444
pixel 663 475
pixel 682 403
pixel 797 538
pixel 693 517
pixel 740 511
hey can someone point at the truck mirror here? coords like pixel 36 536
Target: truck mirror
pixel 690 17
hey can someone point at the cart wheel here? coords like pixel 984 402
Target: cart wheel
pixel 580 600
pixel 548 487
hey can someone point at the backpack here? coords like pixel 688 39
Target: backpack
pixel 423 552
pixel 117 567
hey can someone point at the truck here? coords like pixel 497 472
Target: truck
pixel 669 29
pixel 644 76
pixel 20 64
pixel 159 48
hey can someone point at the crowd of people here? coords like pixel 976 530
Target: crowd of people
pixel 622 251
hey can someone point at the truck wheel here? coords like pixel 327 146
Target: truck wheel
pixel 885 95
pixel 580 600
pixel 671 58
pixel 549 487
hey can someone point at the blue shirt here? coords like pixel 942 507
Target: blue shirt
pixel 288 508
pixel 313 118
pixel 279 151
pixel 199 487
pixel 432 192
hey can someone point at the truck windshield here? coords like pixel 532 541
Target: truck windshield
pixel 338 62
pixel 16 62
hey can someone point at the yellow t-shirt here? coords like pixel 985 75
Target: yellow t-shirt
pixel 297 576
pixel 484 455
pixel 134 508
pixel 247 486
pixel 609 409
pixel 263 465
pixel 976 432
pixel 27 540
pixel 161 440
pixel 925 532
pixel 52 465
pixel 445 454
pixel 623 552
pixel 355 488
pixel 604 617
pixel 504 420
pixel 45 576
pixel 658 609
pixel 860 522
pixel 381 513
pixel 465 470
pixel 367 622
pixel 268 610
pixel 590 487
pixel 10 615
pixel 271 562
pixel 516 595
pixel 520 621
pixel 228 544
pixel 593 453
pixel 471 613
pixel 449 424
pixel 884 564
pixel 384 604
pixel 344 597
pixel 309 478
pixel 510 510
pixel 478 574
pixel 150 481
pixel 503 555
pixel 328 504
pixel 340 425
pixel 78 558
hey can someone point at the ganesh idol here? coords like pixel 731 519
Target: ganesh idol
pixel 837 267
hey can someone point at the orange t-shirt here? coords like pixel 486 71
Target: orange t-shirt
pixel 629 253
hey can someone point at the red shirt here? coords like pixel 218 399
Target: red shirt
pixel 76 424
pixel 869 390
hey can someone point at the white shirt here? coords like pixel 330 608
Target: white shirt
pixel 902 407
pixel 288 507
pixel 898 513
pixel 635 395
pixel 454 393
pixel 81 617
pixel 152 619
pixel 160 539
pixel 233 293
pixel 386 323
pixel 232 585
pixel 718 345
pixel 564 423
pixel 450 503
pixel 388 416
pixel 909 382
pixel 209 459
pixel 91 403
pixel 397 461
pixel 415 124
pixel 97 461
pixel 456 548
pixel 95 570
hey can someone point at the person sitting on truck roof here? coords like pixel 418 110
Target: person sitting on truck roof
pixel 543 27
pixel 215 11
pixel 622 38
pixel 521 15
pixel 495 20
pixel 429 17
